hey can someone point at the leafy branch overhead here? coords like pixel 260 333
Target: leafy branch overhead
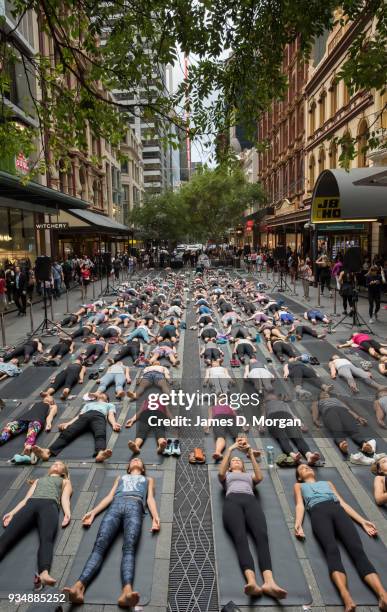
pixel 102 46
pixel 203 209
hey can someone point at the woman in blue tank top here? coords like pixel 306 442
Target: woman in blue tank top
pixel 125 504
pixel 331 521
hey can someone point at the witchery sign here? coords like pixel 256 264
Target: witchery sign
pixel 48 226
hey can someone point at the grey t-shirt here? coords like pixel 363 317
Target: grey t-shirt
pixel 239 482
pixel 275 405
pixel 330 402
pixel 211 345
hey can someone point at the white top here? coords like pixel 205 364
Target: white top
pixel 340 363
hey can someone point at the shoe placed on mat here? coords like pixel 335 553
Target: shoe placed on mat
pixel 168 449
pixel 285 461
pixel 196 456
pixel 360 459
pixel 176 450
pixel 19 459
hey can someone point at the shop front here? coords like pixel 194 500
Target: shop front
pixel 88 233
pixel 337 238
pixel 286 231
pixel 24 211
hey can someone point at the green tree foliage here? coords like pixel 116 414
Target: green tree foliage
pixel 237 72
pixel 203 209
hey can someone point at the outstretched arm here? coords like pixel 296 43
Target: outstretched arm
pixel 368 527
pixel 65 502
pixel 300 511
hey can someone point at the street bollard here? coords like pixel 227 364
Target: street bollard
pixel 51 308
pixel 93 289
pixel 67 300
pixel 318 294
pixel 335 302
pixel 31 317
pixel 3 330
pixel 100 278
pixel 294 287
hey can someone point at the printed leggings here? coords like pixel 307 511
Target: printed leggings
pixel 124 512
pixel 242 512
pixel 14 428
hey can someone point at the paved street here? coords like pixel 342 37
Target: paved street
pixel 189 547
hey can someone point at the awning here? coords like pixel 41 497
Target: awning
pixel 89 222
pixel 357 195
pixel 12 189
pixel 100 221
pixel 289 219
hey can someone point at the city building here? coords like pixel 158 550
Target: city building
pixel 131 174
pixel 281 163
pixel 331 115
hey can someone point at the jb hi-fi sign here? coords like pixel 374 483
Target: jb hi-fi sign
pixel 326 209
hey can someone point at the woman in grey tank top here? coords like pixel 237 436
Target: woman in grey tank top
pixel 40 508
pixel 380 407
pixel 242 512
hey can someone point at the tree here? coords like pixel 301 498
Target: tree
pixel 238 45
pixel 161 216
pixel 215 200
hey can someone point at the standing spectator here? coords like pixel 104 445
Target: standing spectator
pixel 347 282
pixel 10 282
pixel 30 284
pixel 306 275
pixel 324 266
pixel 3 292
pixel 67 270
pixel 374 283
pixel 337 270
pixel 116 268
pixel 20 293
pixel 85 275
pixel 57 276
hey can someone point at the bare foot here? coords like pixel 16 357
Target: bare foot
pixel 43 394
pixel 76 593
pixel 271 589
pixel 161 447
pixel 103 455
pixel 133 447
pixel 132 395
pixel 383 602
pixel 41 453
pixel 349 605
pixel 46 579
pixel 343 446
pixel 217 456
pixel 367 448
pixel 296 457
pixel 128 598
pixel 120 394
pixel 252 589
pixel 313 458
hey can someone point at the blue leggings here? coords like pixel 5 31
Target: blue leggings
pixel 125 511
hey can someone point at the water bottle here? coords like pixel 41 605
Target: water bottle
pixel 292 338
pixel 258 338
pixel 270 456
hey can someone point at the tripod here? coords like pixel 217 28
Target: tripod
pixel 281 284
pixel 108 289
pixel 47 326
pixel 355 320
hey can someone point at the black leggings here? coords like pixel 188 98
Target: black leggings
pixel 66 378
pixel 127 351
pixel 94 350
pixel 43 513
pixel 374 303
pixel 81 331
pixel 62 348
pixel 325 279
pixel 69 321
pixel 342 424
pixel 244 349
pixel 93 421
pixel 280 347
pixel 305 329
pixel 302 372
pixel 212 354
pixel 286 435
pixel 220 431
pixel 242 512
pixel 143 428
pixel 109 333
pixel 331 523
pixel 239 332
pixel 27 350
pixel 347 301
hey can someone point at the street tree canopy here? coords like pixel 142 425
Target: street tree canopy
pixel 119 45
pixel 203 209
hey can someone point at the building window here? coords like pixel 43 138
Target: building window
pixel 333 90
pixel 321 160
pixel 312 164
pixel 346 95
pixel 312 118
pixel 333 155
pixel 362 144
pixel 322 102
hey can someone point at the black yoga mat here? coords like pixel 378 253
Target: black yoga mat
pixel 374 548
pixel 286 566
pixel 148 454
pixel 27 382
pixel 366 480
pixel 294 307
pixel 82 448
pixel 8 475
pixel 19 566
pixel 106 587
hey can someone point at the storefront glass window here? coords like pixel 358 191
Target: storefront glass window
pixel 17 235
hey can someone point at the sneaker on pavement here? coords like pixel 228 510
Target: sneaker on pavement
pixel 371 320
pixel 176 448
pixel 360 459
pixel 372 444
pixel 169 448
pixel 21 459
